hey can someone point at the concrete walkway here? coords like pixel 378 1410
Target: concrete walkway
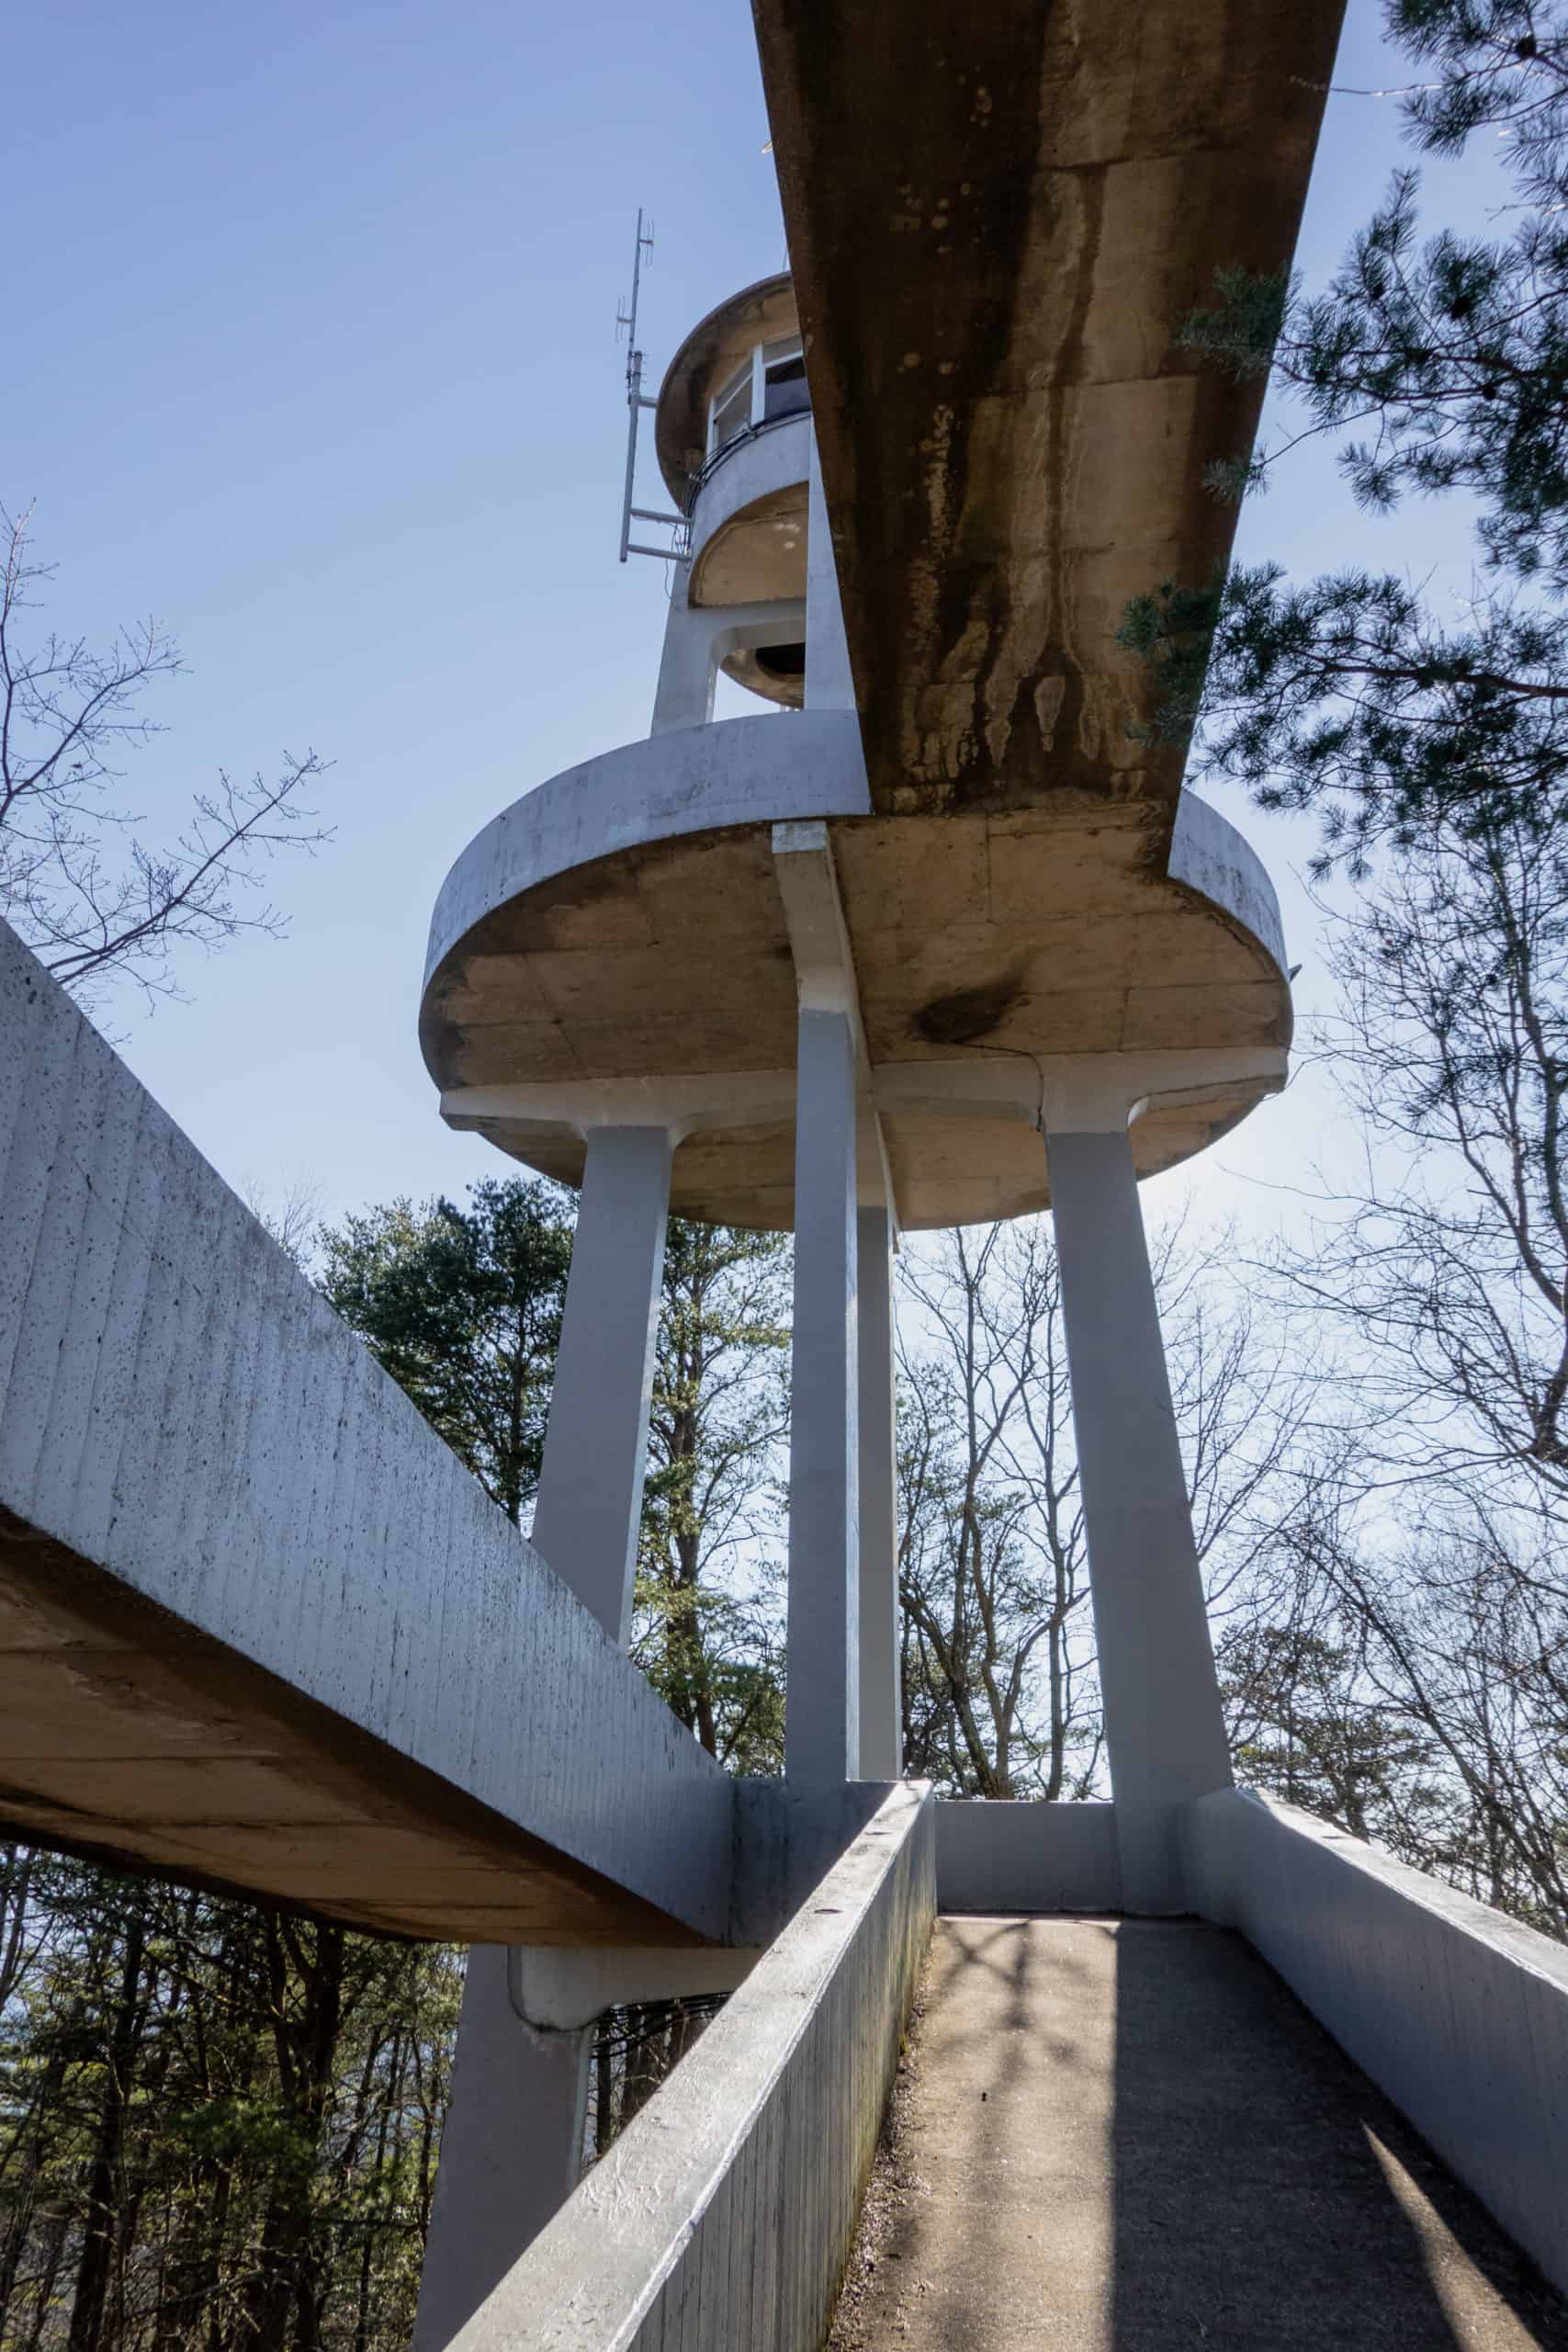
pixel 1126 2136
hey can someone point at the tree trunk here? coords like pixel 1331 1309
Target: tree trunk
pixel 100 2242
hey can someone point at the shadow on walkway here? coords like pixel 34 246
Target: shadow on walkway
pixel 1265 2193
pixel 1128 2136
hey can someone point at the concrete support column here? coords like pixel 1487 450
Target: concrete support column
pixel 1164 1728
pixel 687 671
pixel 510 2152
pixel 698 640
pixel 822 1724
pixel 590 1499
pixel 881 1715
pixel 829 684
pixel 512 2142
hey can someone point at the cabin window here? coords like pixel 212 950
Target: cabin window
pixel 771 386
pixel 732 410
pixel 784 379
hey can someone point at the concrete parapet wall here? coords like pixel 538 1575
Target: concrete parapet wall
pixel 257 1623
pixel 1457 2013
pixel 723 2216
pixel 1026 1857
pixel 698 779
pixel 759 467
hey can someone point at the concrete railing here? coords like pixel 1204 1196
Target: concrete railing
pixel 1026 1855
pixel 723 2216
pixel 759 465
pixel 1457 2013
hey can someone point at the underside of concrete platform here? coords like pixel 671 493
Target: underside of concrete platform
pixel 615 945
pixel 1126 2136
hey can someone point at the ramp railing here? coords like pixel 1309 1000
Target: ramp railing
pixel 1459 2013
pixel 724 2215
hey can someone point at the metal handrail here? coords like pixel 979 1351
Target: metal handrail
pixel 748 433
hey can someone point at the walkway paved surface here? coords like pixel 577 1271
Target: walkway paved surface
pixel 1127 2136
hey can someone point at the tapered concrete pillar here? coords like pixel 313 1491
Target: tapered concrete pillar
pixel 510 2152
pixel 1164 1727
pixel 590 1499
pixel 828 682
pixel 822 1721
pixel 880 1717
pixel 512 2142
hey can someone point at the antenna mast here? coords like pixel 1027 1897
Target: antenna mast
pixel 637 401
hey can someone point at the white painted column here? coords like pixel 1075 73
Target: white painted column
pixel 822 1720
pixel 511 2150
pixel 1164 1726
pixel 880 1714
pixel 683 695
pixel 512 2142
pixel 590 1499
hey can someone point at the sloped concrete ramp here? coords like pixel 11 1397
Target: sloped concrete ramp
pixel 259 1626
pixel 1126 2136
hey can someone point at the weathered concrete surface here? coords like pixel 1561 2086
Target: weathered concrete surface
pixel 1125 2136
pixel 998 217
pixel 257 1624
pixel 1457 2012
pixel 622 925
pixel 721 2217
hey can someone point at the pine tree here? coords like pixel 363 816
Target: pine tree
pixel 1438 360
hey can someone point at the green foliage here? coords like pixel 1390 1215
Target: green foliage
pixel 1346 694
pixel 1308 1727
pixel 218 2126
pixel 707 1632
pixel 1442 359
pixel 463 1307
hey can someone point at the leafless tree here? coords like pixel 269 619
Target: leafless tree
pixel 1422 1682
pixel 1002 1697
pixel 1445 1276
pixel 1409 1677
pixel 291 1213
pixel 81 886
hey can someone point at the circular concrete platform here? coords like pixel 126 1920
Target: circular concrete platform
pixel 614 945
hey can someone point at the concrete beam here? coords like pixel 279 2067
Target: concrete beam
pixel 259 1626
pixel 825 978
pixel 970 1086
pixel 995 239
pixel 555 1991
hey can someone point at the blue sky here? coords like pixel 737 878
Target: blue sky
pixel 311 316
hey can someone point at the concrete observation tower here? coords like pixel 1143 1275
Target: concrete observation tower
pixel 934 937
pixel 704 973
pixel 700 974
